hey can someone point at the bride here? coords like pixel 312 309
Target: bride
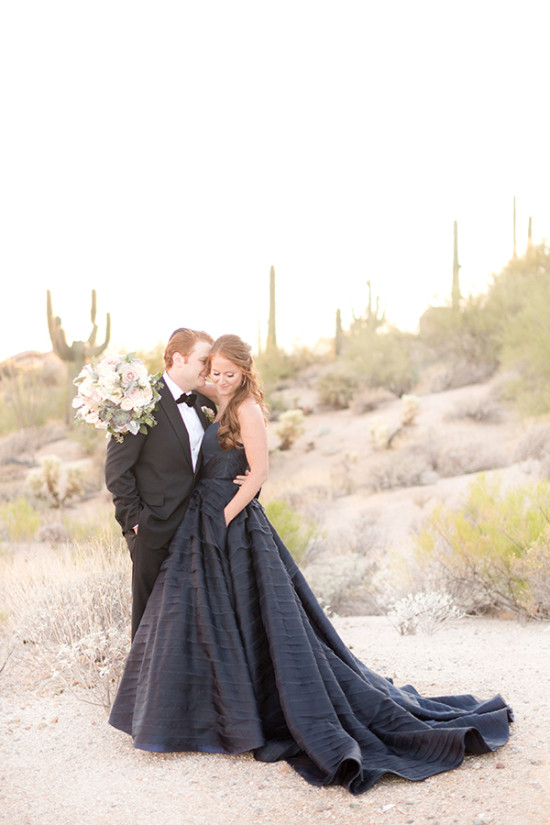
pixel 235 654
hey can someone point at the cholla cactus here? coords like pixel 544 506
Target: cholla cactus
pixel 380 434
pixel 56 484
pixel 291 425
pixel 423 611
pixel 409 409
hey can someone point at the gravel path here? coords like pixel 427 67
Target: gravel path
pixel 61 763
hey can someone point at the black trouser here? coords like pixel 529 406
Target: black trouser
pixel 146 564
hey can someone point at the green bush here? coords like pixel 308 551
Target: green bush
pixel 279 366
pixel 492 554
pixel 337 386
pixel 295 533
pixel 526 348
pixel 19 520
pixel 386 359
pixel 466 341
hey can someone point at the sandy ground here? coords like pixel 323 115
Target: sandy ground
pixel 62 764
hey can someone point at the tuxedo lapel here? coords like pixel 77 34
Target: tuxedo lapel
pixel 174 416
pixel 202 417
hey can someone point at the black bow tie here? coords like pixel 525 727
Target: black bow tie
pixel 187 399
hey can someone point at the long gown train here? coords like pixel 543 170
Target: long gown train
pixel 235 654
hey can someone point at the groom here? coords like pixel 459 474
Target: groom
pixel 151 475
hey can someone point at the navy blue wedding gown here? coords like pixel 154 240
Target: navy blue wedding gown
pixel 235 654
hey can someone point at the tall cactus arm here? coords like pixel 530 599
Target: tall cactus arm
pixel 97 350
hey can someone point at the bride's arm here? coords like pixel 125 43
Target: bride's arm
pixel 254 440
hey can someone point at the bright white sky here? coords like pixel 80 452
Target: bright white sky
pixel 168 153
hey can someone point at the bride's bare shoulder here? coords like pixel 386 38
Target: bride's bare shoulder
pixel 250 412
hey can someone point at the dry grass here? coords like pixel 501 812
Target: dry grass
pixel 72 604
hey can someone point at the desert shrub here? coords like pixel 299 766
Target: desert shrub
pixel 53 533
pixel 518 307
pixel 73 606
pixel 426 611
pixel 385 359
pixel 527 348
pixel 370 399
pixel 534 443
pixel 426 460
pixel 339 582
pixel 464 343
pixel 19 521
pixel 534 569
pixel 21 445
pixel 295 531
pixel 30 398
pixel 290 426
pixel 461 453
pixel 407 468
pixel 55 483
pixel 337 387
pixel 343 570
pixel 480 554
pixel 278 366
pixel 481 409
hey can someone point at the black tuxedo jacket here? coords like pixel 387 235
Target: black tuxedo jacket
pixel 150 476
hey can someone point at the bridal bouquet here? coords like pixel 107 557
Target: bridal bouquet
pixel 117 395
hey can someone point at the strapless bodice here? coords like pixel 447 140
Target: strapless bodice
pixel 218 463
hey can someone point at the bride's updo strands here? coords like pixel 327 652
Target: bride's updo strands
pixel 239 353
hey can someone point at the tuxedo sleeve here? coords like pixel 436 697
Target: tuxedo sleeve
pixel 120 478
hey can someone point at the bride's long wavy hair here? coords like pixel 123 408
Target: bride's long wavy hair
pixel 239 353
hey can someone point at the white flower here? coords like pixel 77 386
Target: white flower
pixel 209 414
pixel 117 395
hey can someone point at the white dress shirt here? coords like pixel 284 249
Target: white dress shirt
pixel 190 419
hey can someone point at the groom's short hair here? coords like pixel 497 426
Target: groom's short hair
pixel 183 341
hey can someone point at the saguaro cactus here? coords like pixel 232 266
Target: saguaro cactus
pixel 515 251
pixel 79 352
pixel 271 344
pixel 339 334
pixel 455 295
pixel 373 319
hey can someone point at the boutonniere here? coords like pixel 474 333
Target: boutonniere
pixel 209 414
pixel 117 395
